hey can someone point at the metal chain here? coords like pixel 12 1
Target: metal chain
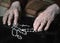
pixel 19 29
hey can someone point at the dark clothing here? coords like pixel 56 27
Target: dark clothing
pixel 50 36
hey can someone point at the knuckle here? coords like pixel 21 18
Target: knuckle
pixel 15 9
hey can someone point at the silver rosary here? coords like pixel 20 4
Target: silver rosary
pixel 17 30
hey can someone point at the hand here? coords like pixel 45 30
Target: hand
pixel 12 12
pixel 45 18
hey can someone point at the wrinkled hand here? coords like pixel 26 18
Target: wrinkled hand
pixel 45 18
pixel 42 19
pixel 10 13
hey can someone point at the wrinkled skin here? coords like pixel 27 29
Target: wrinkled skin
pixel 46 17
pixel 13 11
pixel 9 14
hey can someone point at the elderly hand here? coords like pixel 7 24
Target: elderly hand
pixel 45 18
pixel 12 12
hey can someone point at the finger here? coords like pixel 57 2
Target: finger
pixel 15 16
pixel 36 24
pixel 5 17
pixel 47 26
pixel 10 18
pixel 41 26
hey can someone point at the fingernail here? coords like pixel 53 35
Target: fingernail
pixel 39 30
pixel 9 24
pixel 14 23
pixel 35 29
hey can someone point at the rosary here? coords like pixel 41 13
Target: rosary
pixel 23 29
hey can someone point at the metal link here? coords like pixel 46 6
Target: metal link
pixel 21 30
